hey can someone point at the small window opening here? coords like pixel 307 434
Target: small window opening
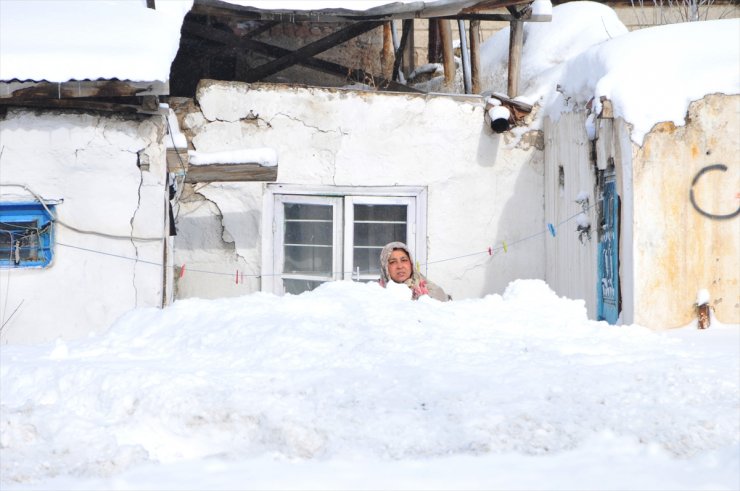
pixel 25 235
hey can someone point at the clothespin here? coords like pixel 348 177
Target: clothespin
pixel 490 251
pixel 506 249
pixel 237 276
pixel 551 228
pixel 182 271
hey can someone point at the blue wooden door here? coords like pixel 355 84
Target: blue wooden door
pixel 608 287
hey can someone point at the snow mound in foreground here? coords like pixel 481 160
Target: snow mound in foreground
pixel 351 370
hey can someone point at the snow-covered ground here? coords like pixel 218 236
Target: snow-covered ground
pixel 354 387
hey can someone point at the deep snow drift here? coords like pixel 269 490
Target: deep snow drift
pixel 352 386
pixel 586 53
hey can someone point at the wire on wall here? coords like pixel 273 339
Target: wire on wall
pixel 239 276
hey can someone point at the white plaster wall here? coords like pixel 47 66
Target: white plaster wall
pixel 481 190
pixel 90 162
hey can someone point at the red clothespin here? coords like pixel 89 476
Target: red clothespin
pixel 237 276
pixel 490 251
pixel 182 271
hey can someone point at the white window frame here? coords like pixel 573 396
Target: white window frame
pixel 272 215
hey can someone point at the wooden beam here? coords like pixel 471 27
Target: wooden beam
pixel 474 36
pixel 230 173
pixel 84 104
pixel 409 63
pixel 485 17
pixel 399 51
pixel 448 58
pixel 310 50
pixel 232 40
pixel 516 41
pixel 434 43
pixel 386 56
pixel 85 88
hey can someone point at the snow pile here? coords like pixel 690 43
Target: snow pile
pixel 351 386
pixel 266 157
pixel 586 53
pixel 638 72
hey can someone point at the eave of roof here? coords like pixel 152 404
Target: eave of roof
pixel 317 12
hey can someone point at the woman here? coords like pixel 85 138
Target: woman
pixel 396 265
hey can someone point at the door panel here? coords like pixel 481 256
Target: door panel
pixel 608 287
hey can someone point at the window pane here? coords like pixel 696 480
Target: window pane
pixel 368 260
pixel 303 211
pixel 313 233
pixel 294 287
pixel 381 213
pixel 308 259
pixel 308 238
pixel 379 234
pixel 374 227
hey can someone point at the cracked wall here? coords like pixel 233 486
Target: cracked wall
pixel 481 189
pixel 109 172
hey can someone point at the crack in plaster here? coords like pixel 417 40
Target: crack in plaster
pixel 133 242
pixel 339 130
pixel 226 243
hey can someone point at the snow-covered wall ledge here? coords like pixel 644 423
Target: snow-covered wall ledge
pixel 109 174
pixel 482 190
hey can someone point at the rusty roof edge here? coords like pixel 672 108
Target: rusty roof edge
pixel 391 10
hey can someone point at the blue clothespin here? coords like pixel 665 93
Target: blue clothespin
pixel 551 228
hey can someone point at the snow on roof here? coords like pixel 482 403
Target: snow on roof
pixel 83 40
pixel 650 75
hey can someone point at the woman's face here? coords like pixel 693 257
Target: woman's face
pixel 399 266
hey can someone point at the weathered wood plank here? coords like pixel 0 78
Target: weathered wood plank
pixel 475 55
pixel 177 159
pixel 75 104
pixel 516 41
pixel 79 89
pixel 230 173
pixel 448 58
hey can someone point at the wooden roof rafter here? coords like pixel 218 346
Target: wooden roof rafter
pixel 305 56
pixel 103 95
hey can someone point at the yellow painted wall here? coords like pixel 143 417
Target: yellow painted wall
pixel 677 250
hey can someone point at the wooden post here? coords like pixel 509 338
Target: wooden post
pixel 408 55
pixel 387 54
pixel 475 55
pixel 434 50
pixel 516 40
pixel 448 58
